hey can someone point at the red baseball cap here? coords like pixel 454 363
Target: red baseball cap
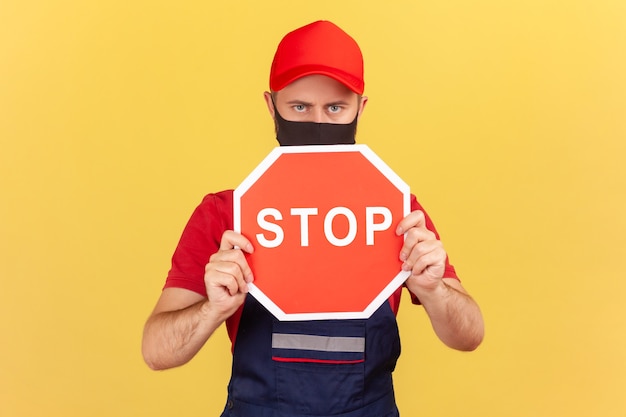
pixel 318 48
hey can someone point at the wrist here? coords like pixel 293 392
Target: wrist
pixel 434 290
pixel 210 314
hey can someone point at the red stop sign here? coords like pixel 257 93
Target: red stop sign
pixel 322 221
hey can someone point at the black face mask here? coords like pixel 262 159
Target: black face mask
pixel 291 133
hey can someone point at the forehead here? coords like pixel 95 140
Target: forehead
pixel 316 88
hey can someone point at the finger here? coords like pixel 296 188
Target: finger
pixel 228 255
pixel 230 252
pixel 413 237
pixel 235 258
pixel 223 281
pixel 413 219
pixel 238 269
pixel 232 239
pixel 429 265
pixel 226 274
pixel 423 254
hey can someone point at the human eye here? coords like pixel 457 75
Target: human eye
pixel 333 108
pixel 300 108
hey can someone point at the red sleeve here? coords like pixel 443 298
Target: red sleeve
pixel 449 271
pixel 200 239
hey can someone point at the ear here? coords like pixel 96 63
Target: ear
pixel 270 103
pixel 362 107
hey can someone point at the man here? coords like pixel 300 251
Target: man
pixel 316 84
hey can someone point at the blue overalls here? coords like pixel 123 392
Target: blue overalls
pixel 324 368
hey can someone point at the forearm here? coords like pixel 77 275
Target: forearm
pixel 455 317
pixel 172 338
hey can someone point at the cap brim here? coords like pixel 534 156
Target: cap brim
pixel 285 79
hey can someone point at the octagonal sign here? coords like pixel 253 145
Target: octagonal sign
pixel 322 221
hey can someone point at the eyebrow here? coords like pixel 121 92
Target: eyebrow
pixel 338 102
pixel 307 103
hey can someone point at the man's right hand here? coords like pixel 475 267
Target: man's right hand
pixel 227 274
pixel 183 320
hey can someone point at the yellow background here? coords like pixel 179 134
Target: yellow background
pixel 507 118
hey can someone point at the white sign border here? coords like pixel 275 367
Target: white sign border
pixel 260 170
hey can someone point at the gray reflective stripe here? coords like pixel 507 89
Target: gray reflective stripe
pixel 320 343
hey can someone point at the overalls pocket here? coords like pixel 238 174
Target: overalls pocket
pixel 319 365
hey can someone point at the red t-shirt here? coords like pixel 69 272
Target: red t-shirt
pixel 201 238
